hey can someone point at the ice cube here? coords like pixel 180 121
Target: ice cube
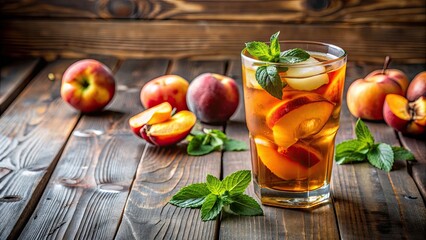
pixel 306 78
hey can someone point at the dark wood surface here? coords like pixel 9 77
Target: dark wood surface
pixel 64 175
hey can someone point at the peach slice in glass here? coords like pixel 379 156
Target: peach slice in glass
pixel 171 131
pixel 297 118
pixel 283 165
pixel 156 114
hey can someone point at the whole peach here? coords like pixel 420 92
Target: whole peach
pixel 365 97
pixel 167 88
pixel 88 85
pixel 395 74
pixel 417 87
pixel 213 97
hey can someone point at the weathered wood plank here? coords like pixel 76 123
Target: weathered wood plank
pixel 33 132
pixel 277 223
pixel 298 11
pixel 376 200
pixel 87 192
pixel 15 74
pixel 177 39
pixel 161 173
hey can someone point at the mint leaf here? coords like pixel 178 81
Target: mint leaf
pixel 196 146
pixel 269 79
pixel 275 46
pixel 400 153
pixel 216 133
pixel 351 151
pixel 245 205
pixel 211 207
pixel 235 145
pixel 381 156
pixel 294 55
pixel 237 182
pixel 215 185
pixel 363 133
pixel 191 196
pixel 259 50
pixel 215 196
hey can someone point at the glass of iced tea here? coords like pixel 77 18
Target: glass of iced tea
pixel 292 130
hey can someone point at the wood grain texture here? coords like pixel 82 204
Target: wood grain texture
pixel 15 74
pixel 178 39
pixel 376 200
pixel 277 223
pixel 30 144
pixel 87 192
pixel 161 173
pixel 296 11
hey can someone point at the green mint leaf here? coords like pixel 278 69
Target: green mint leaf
pixel 259 50
pixel 215 185
pixel 381 156
pixel 235 145
pixel 363 133
pixel 401 153
pixel 197 148
pixel 269 79
pixel 218 134
pixel 275 46
pixel 237 182
pixel 191 196
pixel 294 55
pixel 351 151
pixel 243 204
pixel 211 207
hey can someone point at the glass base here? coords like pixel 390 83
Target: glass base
pixel 293 199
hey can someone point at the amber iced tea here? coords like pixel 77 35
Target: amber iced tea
pixel 292 139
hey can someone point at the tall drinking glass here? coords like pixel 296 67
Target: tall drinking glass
pixel 292 139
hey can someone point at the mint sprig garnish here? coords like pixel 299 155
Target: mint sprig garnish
pixel 364 147
pixel 268 75
pixel 210 140
pixel 216 196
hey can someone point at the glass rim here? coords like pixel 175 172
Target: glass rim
pixel 337 59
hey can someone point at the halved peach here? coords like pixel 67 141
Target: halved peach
pixel 156 114
pixel 291 165
pixel 299 117
pixel 404 116
pixel 171 131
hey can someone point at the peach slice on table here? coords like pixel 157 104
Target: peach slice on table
pixel 156 114
pixel 171 131
pixel 292 164
pixel 297 118
pixel 404 116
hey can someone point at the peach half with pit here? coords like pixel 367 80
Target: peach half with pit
pixel 404 116
pixel 299 117
pixel 295 163
pixel 171 131
pixel 156 114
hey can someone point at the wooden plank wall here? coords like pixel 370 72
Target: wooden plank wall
pixel 368 30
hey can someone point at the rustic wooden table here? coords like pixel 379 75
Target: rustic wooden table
pixel 64 175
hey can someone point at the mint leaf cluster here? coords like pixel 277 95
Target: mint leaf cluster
pixel 268 75
pixel 380 155
pixel 214 195
pixel 209 140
